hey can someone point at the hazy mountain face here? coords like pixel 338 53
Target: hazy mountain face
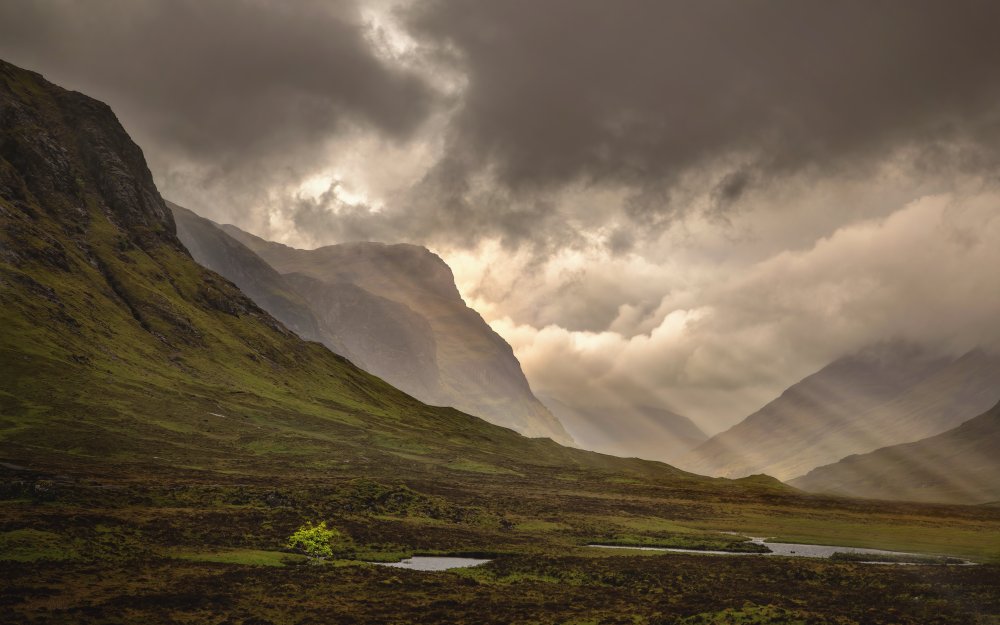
pixel 884 396
pixel 957 466
pixel 375 333
pixel 384 337
pixel 640 431
pixel 219 252
pixel 395 310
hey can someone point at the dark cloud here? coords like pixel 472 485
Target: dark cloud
pixel 620 241
pixel 226 81
pixel 239 100
pixel 638 91
pixel 731 187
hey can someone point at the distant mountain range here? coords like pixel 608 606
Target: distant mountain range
pixel 961 465
pixel 883 396
pixel 393 310
pixel 639 431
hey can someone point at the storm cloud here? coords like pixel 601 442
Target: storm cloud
pixel 638 92
pixel 679 204
pixel 256 96
pixel 222 79
pixel 236 97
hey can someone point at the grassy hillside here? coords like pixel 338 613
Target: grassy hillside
pixel 118 347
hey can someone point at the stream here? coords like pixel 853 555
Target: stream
pixel 794 550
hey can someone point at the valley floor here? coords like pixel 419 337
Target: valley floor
pixel 522 588
pixel 193 548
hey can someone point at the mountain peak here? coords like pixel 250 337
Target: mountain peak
pixel 123 351
pixel 56 163
pixel 394 310
pixel 425 271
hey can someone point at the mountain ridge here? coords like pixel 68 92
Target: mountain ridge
pixel 244 269
pixel 478 370
pixel 957 466
pixel 404 354
pixel 882 396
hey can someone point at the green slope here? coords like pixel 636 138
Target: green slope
pixel 118 348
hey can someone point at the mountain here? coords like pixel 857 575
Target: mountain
pixel 386 337
pixel 118 350
pixel 344 318
pixel 641 431
pixel 882 396
pixel 369 292
pixel 961 465
pixel 377 334
pixel 219 252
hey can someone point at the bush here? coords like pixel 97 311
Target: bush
pixel 316 540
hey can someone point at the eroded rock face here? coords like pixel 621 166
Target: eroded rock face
pixel 64 144
pixel 75 187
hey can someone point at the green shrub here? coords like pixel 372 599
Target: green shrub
pixel 314 540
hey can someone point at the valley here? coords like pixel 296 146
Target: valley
pixel 178 545
pixel 162 436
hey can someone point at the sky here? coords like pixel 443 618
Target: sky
pixel 690 205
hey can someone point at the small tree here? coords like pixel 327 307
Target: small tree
pixel 314 540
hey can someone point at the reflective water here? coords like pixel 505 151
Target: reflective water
pixel 717 553
pixel 434 563
pixel 820 551
pixel 794 550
